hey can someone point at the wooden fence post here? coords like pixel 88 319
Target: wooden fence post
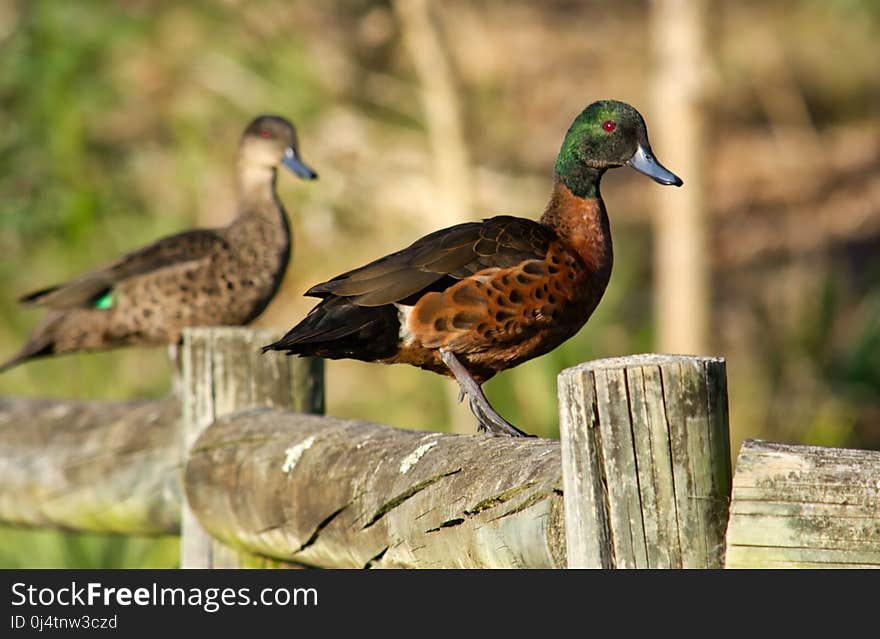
pixel 224 372
pixel 645 462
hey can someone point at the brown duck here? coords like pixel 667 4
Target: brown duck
pixel 202 277
pixel 478 298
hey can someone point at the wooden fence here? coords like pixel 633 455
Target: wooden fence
pixel 246 471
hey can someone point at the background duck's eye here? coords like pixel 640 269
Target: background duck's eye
pixel 264 133
pixel 609 125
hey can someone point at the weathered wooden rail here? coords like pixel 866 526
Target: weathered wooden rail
pixel 804 507
pixel 91 466
pixel 640 478
pixel 338 493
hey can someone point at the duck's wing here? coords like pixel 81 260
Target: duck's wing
pixel 176 251
pixel 439 259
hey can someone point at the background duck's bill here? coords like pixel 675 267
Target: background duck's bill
pixel 297 166
pixel 643 161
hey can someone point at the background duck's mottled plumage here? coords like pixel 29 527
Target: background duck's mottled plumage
pixel 202 277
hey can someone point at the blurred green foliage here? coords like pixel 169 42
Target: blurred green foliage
pixel 53 549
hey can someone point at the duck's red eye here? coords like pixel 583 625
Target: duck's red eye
pixel 264 133
pixel 609 125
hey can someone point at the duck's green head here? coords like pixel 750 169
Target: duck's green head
pixel 607 134
pixel 270 140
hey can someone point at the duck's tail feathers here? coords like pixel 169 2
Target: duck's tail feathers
pixel 40 344
pixel 34 296
pixel 337 329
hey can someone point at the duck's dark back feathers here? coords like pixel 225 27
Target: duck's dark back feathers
pixel 447 255
pixel 361 312
pixel 175 250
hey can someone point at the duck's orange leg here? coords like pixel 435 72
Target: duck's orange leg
pixel 490 421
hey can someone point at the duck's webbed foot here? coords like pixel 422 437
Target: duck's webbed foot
pixel 489 421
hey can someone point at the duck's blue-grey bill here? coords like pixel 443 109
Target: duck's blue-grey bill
pixel 644 162
pixel 292 162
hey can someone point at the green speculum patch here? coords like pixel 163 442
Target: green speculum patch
pixel 105 301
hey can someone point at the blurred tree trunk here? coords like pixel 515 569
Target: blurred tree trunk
pixel 442 108
pixel 681 267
